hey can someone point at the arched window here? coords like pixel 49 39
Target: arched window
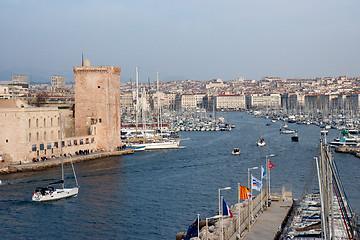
pixel 44 135
pixel 51 122
pixel 37 122
pixel 37 136
pixel 29 137
pixel 52 135
pixel 29 123
pixel 44 122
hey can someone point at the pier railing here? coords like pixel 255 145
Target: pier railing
pixel 239 223
pixel 258 204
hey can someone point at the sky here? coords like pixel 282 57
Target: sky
pixel 187 39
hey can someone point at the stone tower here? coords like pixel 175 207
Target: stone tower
pixel 97 104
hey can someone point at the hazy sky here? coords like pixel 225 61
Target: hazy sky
pixel 187 39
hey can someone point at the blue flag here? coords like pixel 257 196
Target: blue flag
pixel 263 172
pixel 192 230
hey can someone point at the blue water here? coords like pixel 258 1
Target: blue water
pixel 154 195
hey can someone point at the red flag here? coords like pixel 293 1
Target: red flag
pixel 271 165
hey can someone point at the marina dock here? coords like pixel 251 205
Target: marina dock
pixel 41 165
pixel 269 223
pixel 266 222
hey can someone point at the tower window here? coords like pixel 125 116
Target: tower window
pixel 98 86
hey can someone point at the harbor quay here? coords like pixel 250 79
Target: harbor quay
pixel 42 165
pixel 266 219
pixel 349 149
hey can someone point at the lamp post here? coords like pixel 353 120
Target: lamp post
pixel 225 188
pixel 220 212
pixel 268 178
pixel 250 197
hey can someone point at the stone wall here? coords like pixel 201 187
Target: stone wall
pixel 97 101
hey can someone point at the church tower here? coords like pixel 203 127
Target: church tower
pixel 97 104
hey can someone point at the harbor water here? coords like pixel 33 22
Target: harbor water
pixel 156 194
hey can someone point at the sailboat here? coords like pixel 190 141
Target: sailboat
pixel 49 193
pixel 261 142
pixel 152 143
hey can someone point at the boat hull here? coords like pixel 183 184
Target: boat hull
pixel 55 195
pixel 158 145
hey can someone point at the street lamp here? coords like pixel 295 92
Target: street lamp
pixel 268 178
pixel 225 188
pixel 220 212
pixel 251 195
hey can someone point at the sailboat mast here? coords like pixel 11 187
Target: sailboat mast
pixel 137 99
pixel 158 99
pixel 62 157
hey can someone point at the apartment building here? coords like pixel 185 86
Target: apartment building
pixel 229 102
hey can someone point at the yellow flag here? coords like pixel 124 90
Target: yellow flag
pixel 244 192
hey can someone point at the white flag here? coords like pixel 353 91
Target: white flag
pixel 256 183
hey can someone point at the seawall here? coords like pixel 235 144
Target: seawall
pixel 352 150
pixel 38 166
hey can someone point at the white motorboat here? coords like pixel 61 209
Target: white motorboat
pixel 235 151
pixel 345 141
pixel 49 193
pixel 287 131
pixel 261 143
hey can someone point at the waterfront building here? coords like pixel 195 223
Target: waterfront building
pixel 97 104
pixel 186 101
pixel 255 100
pixel 29 133
pixel 229 101
pixel 172 100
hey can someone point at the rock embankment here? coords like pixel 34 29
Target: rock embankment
pixel 352 150
pixel 38 166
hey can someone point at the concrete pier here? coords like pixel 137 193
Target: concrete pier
pixel 265 224
pixel 37 166
pixel 269 222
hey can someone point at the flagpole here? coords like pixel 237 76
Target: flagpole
pixel 198 225
pixel 251 209
pixel 222 217
pixel 268 178
pixel 249 200
pixel 261 198
pixel 269 185
pixel 207 228
pixel 239 207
